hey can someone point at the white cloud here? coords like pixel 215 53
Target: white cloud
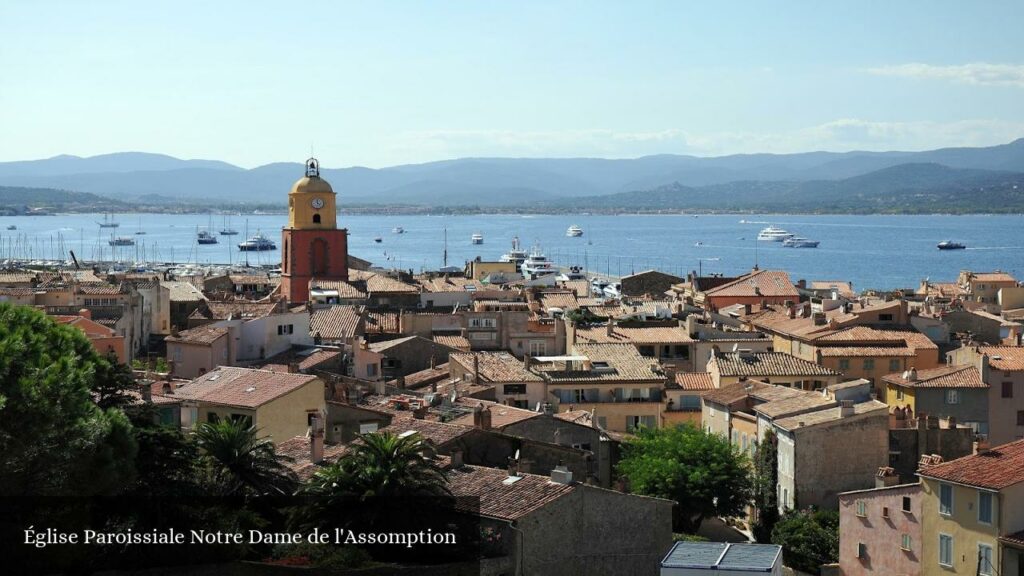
pixel 980 73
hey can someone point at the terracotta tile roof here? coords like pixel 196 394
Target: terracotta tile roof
pixel 344 289
pixel 309 359
pixel 868 336
pixel 501 499
pixel 695 381
pixel 857 351
pixel 953 376
pixel 581 417
pixel 381 322
pixel 1010 358
pixel 236 309
pixel 336 322
pixel 611 363
pixel 993 277
pixel 17 291
pixel 296 455
pixel 582 287
pixel 254 279
pixel 779 321
pixel 842 287
pixel 1014 314
pixel 993 317
pixel 379 283
pixel 769 283
pixel 17 277
pixel 767 364
pixel 501 415
pixel 447 284
pixel 564 300
pixel 427 377
pixel 101 289
pixel 831 415
pixel 242 387
pixel 457 341
pixel 637 335
pixel 438 433
pixel 495 367
pixel 385 345
pixel 1016 539
pixel 203 335
pixel 805 402
pixel 183 291
pixel 737 391
pixel 996 469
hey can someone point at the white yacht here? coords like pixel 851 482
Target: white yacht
pixel 799 242
pixel 516 254
pixel 477 238
pixel 537 264
pixel 773 234
pixel 574 231
pixel 121 241
pixel 257 243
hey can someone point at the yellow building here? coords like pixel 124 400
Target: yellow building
pixel 278 404
pixel 973 514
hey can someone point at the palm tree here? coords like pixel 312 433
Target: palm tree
pixel 240 462
pixel 382 477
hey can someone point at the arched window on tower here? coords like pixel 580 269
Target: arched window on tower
pixel 316 218
pixel 319 258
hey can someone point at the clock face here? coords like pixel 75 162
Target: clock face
pixel 318 203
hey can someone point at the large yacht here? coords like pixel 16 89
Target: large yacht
pixel 516 255
pixel 121 241
pixel 799 242
pixel 950 245
pixel 257 243
pixel 537 264
pixel 477 238
pixel 574 231
pixel 773 234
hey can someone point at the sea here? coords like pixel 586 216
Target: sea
pixel 872 251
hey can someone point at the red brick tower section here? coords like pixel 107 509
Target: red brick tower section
pixel 312 246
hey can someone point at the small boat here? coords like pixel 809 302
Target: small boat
pixel 950 245
pixel 205 237
pixel 108 222
pixel 799 242
pixel 537 264
pixel 121 241
pixel 773 234
pixel 227 230
pixel 574 231
pixel 398 230
pixel 378 239
pixel 698 244
pixel 257 243
pixel 477 238
pixel 516 255
pixel 12 227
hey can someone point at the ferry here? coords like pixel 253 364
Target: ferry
pixel 121 241
pixel 773 234
pixel 950 245
pixel 205 237
pixel 537 264
pixel 574 231
pixel 516 255
pixel 799 242
pixel 477 238
pixel 257 243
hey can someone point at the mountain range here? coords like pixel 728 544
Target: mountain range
pixel 971 179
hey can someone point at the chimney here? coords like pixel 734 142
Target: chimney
pixel 983 368
pixel 433 362
pixel 801 284
pixel 746 309
pixel 293 367
pixel 792 311
pixel 757 290
pixel 316 438
pixel 846 408
pixel 548 408
pixel 476 368
pixel 886 476
pixel 691 325
pixel 420 413
pixel 561 475
pixel 819 318
pixel 146 389
pixel 670 372
pixel 456 459
pixel 481 417
pixel 527 361
pixel 981 446
pixel 951 422
pixel 364 344
pixel 912 374
pixel 85 313
pixel 610 327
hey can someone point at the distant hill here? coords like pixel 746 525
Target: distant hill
pixel 15 199
pixel 812 179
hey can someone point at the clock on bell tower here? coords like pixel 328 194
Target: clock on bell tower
pixel 312 245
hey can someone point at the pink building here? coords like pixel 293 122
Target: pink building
pixel 880 529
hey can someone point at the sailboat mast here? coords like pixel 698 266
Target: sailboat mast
pixel 445 247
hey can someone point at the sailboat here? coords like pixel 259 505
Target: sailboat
pixel 108 222
pixel 140 230
pixel 226 229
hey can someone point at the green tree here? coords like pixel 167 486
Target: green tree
pixel 703 472
pixel 766 482
pixel 240 462
pixel 112 383
pixel 809 538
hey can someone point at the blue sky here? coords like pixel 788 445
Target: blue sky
pixel 384 83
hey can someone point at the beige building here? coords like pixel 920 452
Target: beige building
pixel 983 287
pixel 772 367
pixel 514 385
pixel 195 352
pixel 1002 369
pixel 279 405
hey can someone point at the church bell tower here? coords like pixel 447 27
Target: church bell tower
pixel 312 245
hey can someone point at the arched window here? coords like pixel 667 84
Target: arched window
pixel 316 218
pixel 319 257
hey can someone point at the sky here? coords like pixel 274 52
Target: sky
pixel 384 83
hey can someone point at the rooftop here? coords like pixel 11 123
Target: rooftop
pixel 495 366
pixel 242 387
pixel 1005 358
pixel 608 362
pixel 761 364
pixel 203 335
pixel 950 376
pixel 694 381
pixel 995 469
pixel 635 335
pixel 335 322
pixel 831 415
pixel 501 498
pixel 768 283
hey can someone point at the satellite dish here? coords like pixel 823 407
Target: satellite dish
pixel 517 455
pixel 454 394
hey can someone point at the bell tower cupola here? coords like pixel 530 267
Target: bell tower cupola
pixel 311 202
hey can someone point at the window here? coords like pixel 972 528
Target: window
pixel 1007 389
pixel 894 365
pixel 906 503
pixel 510 389
pixel 371 369
pixel 862 508
pixel 844 363
pixel 1020 417
pixel 899 393
pixel 482 323
pixel 243 418
pixel 945 550
pixel 952 396
pixel 885 512
pixel 538 347
pixel 689 403
pixel 634 422
pixel 212 417
pixel 885 317
pixel 316 218
pixel 578 395
pixel 945 499
pixel 283 329
pixel 984 560
pixel 984 507
pixel 862 550
pixel 869 363
pixel 905 542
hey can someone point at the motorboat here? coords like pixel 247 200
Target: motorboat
pixel 398 230
pixel 516 255
pixel 574 273
pixel 257 243
pixel 12 227
pixel 477 238
pixel 597 286
pixel 950 245
pixel 537 264
pixel 799 242
pixel 574 231
pixel 773 234
pixel 378 239
pixel 121 241
pixel 205 237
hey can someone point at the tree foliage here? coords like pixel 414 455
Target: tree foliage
pixel 766 482
pixel 703 472
pixel 240 462
pixel 809 538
